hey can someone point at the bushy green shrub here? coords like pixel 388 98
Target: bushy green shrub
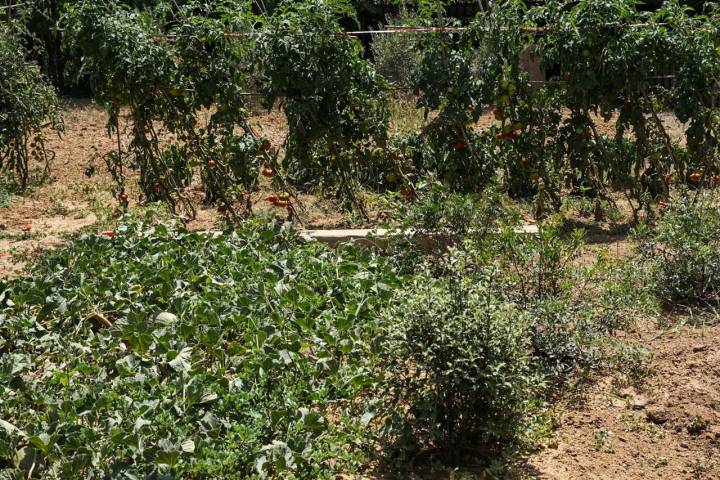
pixel 458 367
pixel 28 103
pixel 683 252
pixel 439 210
pixel 532 267
pixel 396 56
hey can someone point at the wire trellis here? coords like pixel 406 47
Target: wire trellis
pixel 405 29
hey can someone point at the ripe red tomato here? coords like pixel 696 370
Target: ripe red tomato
pixel 211 163
pixel 696 176
pixel 716 178
pixel 459 145
pixel 25 228
pixel 109 234
pixel 157 185
pixel 123 197
pixel 267 171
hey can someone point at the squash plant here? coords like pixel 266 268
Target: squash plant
pixel 167 363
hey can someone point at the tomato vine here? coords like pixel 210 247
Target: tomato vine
pixel 28 104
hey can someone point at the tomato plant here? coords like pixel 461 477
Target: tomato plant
pixel 606 62
pixel 27 105
pixel 167 78
pixel 331 96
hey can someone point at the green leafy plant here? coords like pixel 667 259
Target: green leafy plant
pixel 331 95
pixel 166 82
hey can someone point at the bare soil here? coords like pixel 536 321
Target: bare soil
pixel 668 427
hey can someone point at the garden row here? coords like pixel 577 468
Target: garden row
pixel 167 68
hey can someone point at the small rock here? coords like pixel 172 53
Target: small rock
pixel 699 348
pixel 657 415
pixel 683 445
pixel 626 393
pixel 640 402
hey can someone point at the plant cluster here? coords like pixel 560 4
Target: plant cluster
pixel 606 61
pixel 610 60
pixel 333 100
pixel 459 365
pixel 152 351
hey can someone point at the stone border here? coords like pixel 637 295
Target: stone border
pixel 366 236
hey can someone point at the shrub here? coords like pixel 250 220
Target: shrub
pixel 440 210
pixel 458 366
pixel 563 337
pixel 531 268
pixel 633 361
pixel 27 104
pixel 683 252
pixel 396 56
